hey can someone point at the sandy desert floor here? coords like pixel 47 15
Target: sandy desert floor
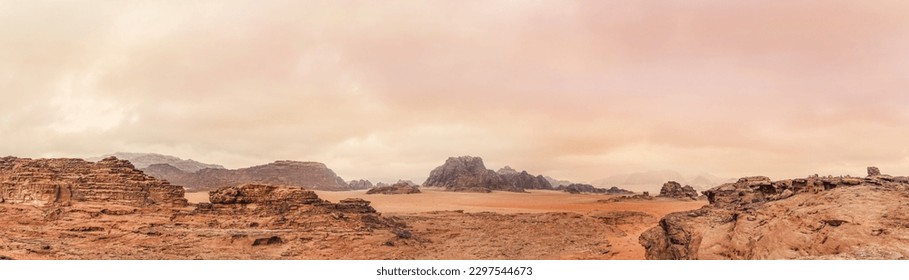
pixel 504 225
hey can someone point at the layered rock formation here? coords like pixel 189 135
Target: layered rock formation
pixel 360 184
pixel 66 181
pixel 585 188
pixel 467 174
pixel 275 207
pixel 814 217
pixel 401 187
pixel 144 160
pixel 311 175
pixel 673 189
pixel 277 200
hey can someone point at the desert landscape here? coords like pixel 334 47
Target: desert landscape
pixel 78 209
pixel 454 130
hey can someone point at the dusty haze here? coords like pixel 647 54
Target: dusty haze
pixel 387 90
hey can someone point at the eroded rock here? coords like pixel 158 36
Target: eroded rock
pixel 64 181
pixel 815 217
pixel 468 174
pixel 673 189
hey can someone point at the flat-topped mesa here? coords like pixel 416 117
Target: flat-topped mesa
pixel 63 181
pixel 673 189
pixel 814 217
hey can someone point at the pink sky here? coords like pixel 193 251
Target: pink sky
pixel 389 89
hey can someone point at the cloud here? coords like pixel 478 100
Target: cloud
pixel 579 90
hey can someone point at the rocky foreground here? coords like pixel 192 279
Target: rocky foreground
pixel 809 218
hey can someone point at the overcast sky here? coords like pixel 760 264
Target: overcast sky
pixel 390 89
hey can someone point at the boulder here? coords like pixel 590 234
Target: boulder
pixel 873 171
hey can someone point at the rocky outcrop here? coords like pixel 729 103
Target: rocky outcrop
pixel 144 160
pixel 585 188
pixel 65 181
pixel 815 217
pixel 873 171
pixel 360 184
pixel 310 175
pixel 282 206
pixel 524 180
pixel 635 197
pixel 467 174
pixel 402 187
pixel 673 189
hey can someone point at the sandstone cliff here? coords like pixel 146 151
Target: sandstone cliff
pixel 815 217
pixel 66 181
pixel 311 175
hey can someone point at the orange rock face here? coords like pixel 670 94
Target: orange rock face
pixel 808 218
pixel 66 181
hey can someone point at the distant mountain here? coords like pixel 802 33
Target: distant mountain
pixel 309 175
pixel 507 170
pixel 556 182
pixel 469 174
pixel 144 160
pixel 653 180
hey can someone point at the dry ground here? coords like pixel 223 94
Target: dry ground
pixel 508 225
pixel 435 225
